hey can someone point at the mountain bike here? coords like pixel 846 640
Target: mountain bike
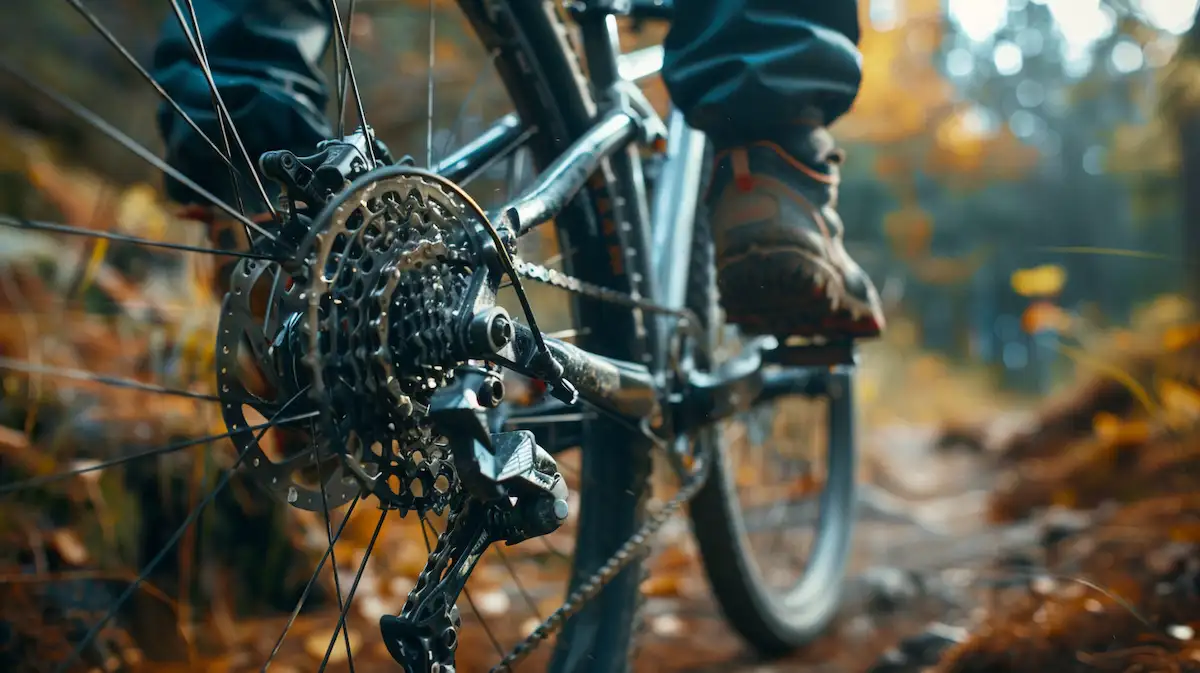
pixel 367 311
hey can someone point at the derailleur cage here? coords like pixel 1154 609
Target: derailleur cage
pixel 513 491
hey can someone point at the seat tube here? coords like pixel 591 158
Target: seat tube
pixel 673 213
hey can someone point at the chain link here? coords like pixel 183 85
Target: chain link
pixel 639 543
pixel 556 278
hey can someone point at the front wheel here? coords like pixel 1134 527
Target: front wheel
pixel 773 524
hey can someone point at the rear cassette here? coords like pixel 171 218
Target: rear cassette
pixel 390 264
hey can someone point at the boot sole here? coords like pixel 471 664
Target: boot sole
pixel 789 292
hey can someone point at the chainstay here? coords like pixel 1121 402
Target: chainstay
pixel 635 546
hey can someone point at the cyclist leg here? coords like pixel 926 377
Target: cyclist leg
pixel 264 56
pixel 763 78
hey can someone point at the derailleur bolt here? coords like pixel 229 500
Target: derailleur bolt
pixel 500 331
pixel 491 330
pixel 491 391
pixel 561 510
pixel 552 513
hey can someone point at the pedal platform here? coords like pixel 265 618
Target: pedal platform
pixel 837 354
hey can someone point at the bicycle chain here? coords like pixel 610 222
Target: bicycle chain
pixel 633 547
pixel 556 278
pixel 640 541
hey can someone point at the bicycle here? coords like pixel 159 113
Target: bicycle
pixel 369 304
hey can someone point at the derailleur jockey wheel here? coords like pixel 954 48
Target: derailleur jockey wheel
pixel 383 321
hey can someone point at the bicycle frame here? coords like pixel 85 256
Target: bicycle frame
pixel 643 394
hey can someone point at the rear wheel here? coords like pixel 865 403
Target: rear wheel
pixel 527 44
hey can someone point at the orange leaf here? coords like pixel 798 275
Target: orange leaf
pixel 1180 336
pixel 661 585
pixel 1043 316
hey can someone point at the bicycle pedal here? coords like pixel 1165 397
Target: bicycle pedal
pixel 834 354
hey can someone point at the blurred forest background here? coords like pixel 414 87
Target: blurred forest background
pixel 1023 183
pixel 991 136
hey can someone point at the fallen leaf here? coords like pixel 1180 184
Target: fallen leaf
pixel 661 585
pixel 1180 336
pixel 666 625
pixel 316 644
pixel 69 546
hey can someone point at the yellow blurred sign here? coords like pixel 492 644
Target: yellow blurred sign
pixel 1040 281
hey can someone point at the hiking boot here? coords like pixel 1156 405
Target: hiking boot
pixel 782 268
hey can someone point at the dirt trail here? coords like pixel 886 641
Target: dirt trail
pixel 911 561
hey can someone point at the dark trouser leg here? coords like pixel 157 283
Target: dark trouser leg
pixel 762 78
pixel 264 56
pixel 740 69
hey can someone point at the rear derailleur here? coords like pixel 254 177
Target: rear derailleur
pixel 512 491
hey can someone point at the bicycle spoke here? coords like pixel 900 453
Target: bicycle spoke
pixel 18 223
pixel 160 451
pixel 217 104
pixel 337 582
pixel 117 382
pixel 312 581
pixel 345 47
pixel 197 43
pixel 529 602
pixel 353 588
pixel 116 44
pixel 429 86
pixel 84 269
pixel 341 71
pixel 487 629
pixel 460 116
pixel 170 543
pixel 425 533
pixel 98 123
